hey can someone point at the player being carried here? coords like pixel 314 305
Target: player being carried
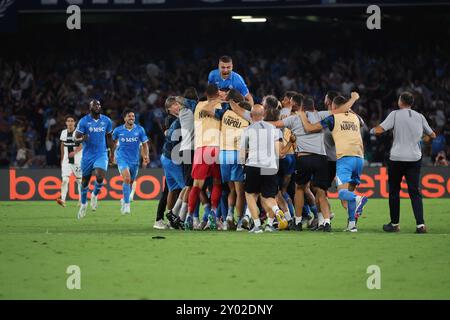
pixel 70 159
pixel 93 130
pixel 128 138
pixel 226 79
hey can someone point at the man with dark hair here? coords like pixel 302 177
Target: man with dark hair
pixel 287 164
pixel 297 101
pixel 128 139
pixel 311 160
pixel 225 78
pixel 95 132
pixel 345 129
pixel 206 155
pixel 405 158
pixel 231 171
pixel 330 148
pixel 270 102
pixel 70 158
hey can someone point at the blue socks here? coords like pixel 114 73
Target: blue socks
pixel 206 212
pixel 305 211
pixel 126 192
pixel 224 206
pixel 351 208
pixel 97 187
pixel 313 209
pixel 350 197
pixel 289 202
pixel 84 192
pixel 346 195
pixel 197 210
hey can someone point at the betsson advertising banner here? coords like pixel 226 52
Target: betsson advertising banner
pixel 45 184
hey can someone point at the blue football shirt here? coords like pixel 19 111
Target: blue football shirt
pixel 234 81
pixel 96 130
pixel 129 141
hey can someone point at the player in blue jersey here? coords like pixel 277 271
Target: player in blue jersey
pixel 95 131
pixel 128 139
pixel 226 79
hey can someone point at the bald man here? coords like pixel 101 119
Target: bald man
pixel 260 145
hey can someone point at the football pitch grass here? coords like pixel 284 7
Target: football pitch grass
pixel 119 259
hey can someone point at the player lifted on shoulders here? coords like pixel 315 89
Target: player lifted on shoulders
pixel 128 138
pixel 70 159
pixel 93 130
pixel 226 79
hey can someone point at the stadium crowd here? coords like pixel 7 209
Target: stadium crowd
pixel 36 94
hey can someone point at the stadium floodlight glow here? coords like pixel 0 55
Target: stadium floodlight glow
pixel 241 17
pixel 254 20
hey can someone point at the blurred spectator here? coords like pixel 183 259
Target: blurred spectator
pixel 438 144
pixel 441 160
pixel 36 92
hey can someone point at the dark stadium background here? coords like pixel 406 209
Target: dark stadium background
pixel 137 57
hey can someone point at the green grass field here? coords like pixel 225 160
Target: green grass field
pixel 119 259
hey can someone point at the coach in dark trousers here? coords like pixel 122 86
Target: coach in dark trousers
pixel 405 158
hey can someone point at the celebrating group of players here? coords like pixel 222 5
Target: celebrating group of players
pixel 248 164
pixel 261 160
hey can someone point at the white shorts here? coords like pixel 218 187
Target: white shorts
pixel 69 168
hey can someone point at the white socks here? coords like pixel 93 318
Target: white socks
pixel 176 208
pixel 183 210
pixel 321 219
pixel 275 209
pixel 133 190
pixel 64 189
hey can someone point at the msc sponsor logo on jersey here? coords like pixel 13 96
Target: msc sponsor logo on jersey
pixel 223 87
pixel 97 129
pixel 133 139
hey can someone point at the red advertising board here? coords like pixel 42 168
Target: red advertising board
pixel 45 184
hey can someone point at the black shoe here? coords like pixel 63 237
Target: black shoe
pixel 178 223
pixel 327 227
pixel 275 224
pixel 319 228
pixel 291 225
pixel 390 228
pixel 171 218
pixel 422 229
pixel 314 224
pixel 298 227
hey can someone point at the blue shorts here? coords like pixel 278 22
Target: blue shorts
pixel 287 165
pixel 174 174
pixel 89 164
pixel 230 169
pixel 133 168
pixel 348 170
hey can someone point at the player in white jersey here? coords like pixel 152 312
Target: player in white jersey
pixel 70 159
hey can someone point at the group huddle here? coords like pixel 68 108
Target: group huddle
pixel 269 163
pixel 260 167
